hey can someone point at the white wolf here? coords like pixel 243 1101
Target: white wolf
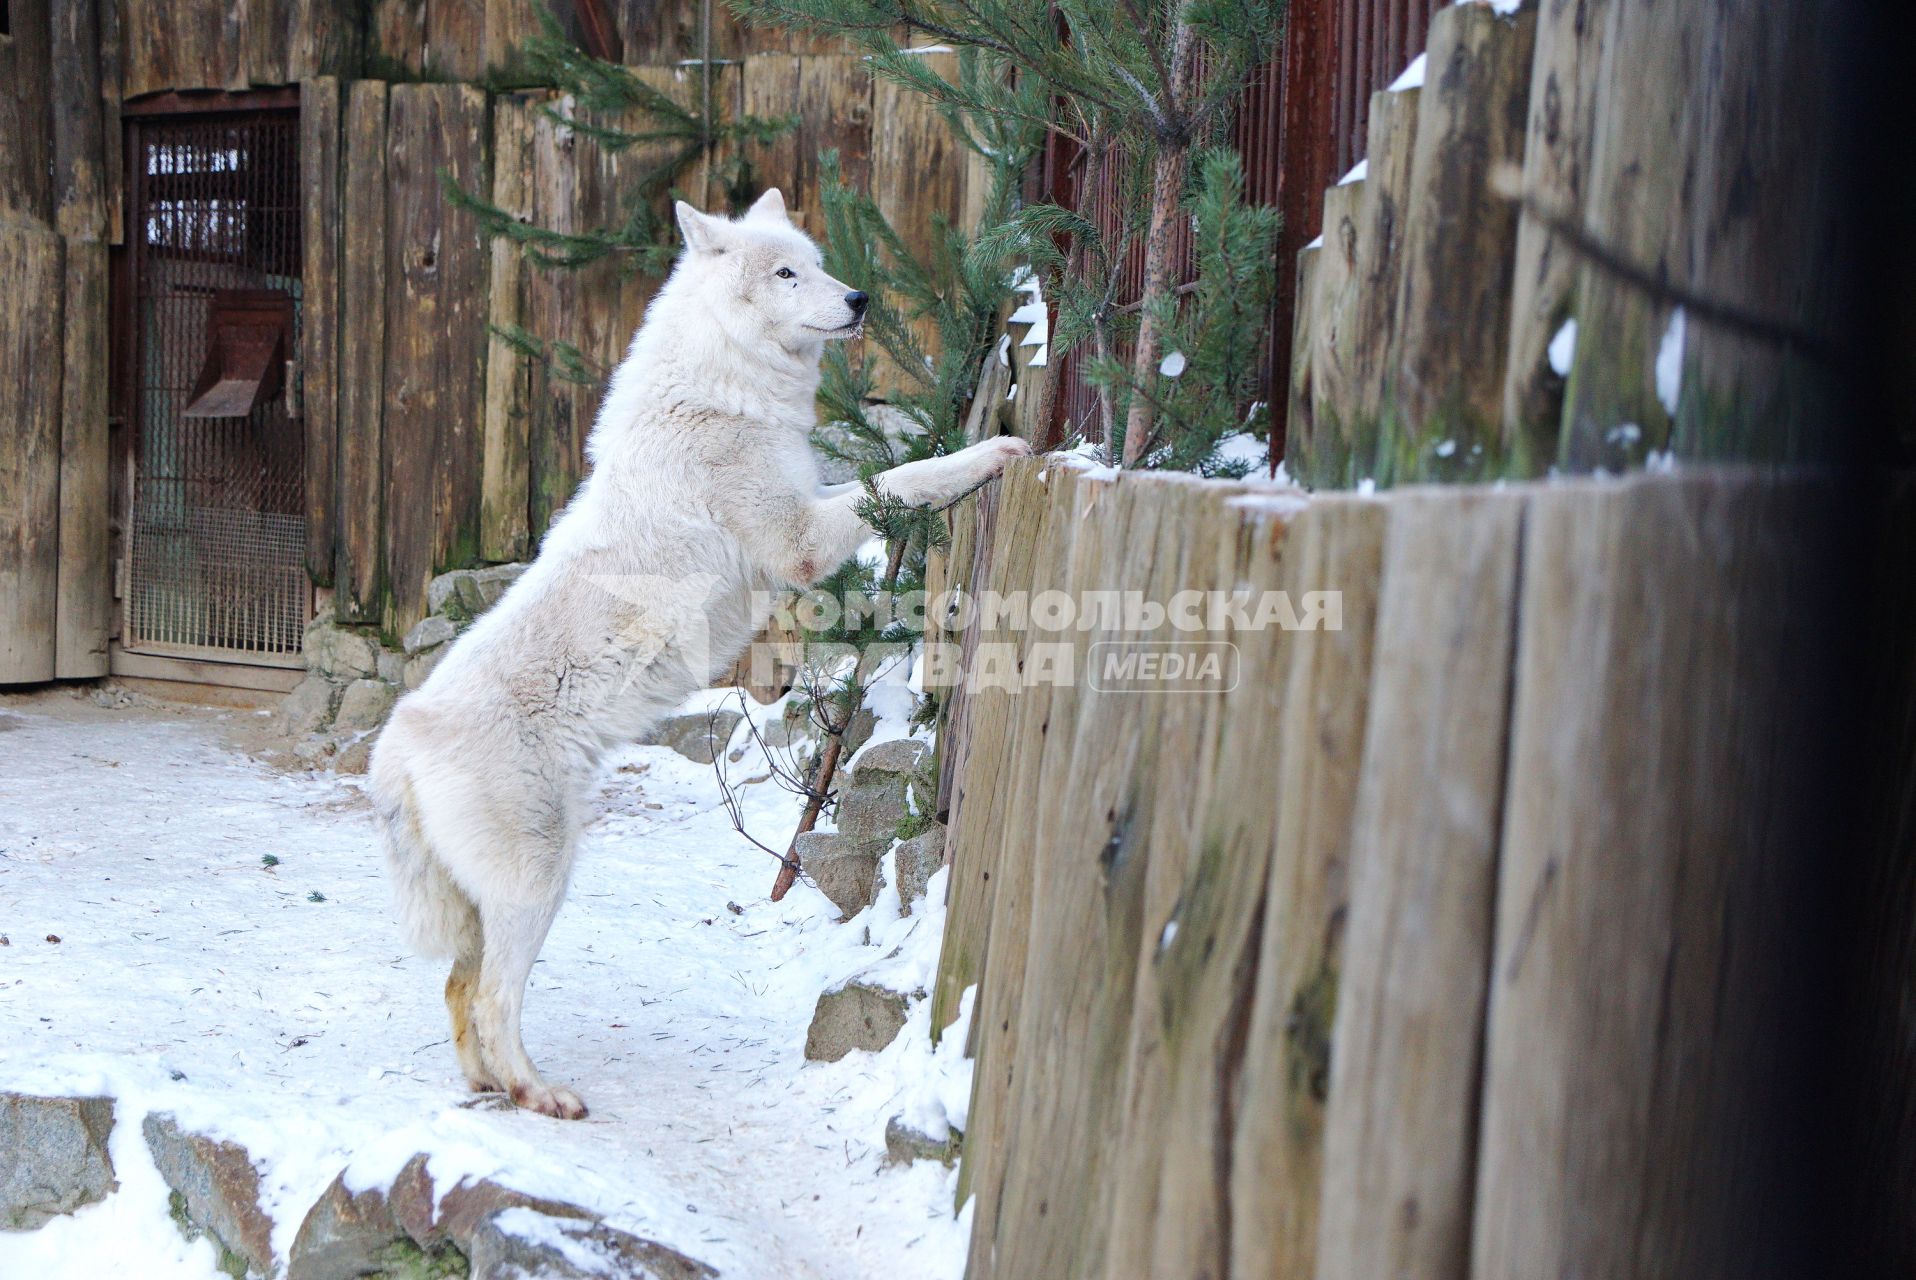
pixel 703 490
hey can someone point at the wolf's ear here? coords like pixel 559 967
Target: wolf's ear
pixel 769 207
pixel 700 230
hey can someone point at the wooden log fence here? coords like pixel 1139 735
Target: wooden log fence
pixel 1513 298
pixel 1450 942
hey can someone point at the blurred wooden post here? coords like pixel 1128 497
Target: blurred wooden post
pixel 1453 304
pixel 1401 1128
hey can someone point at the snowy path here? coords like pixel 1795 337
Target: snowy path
pixel 190 977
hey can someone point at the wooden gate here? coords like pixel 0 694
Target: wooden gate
pixel 215 557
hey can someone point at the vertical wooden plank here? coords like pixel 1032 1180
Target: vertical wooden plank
pixel 1381 217
pixel 1202 895
pixel 1562 126
pixel 395 38
pixel 30 406
pixel 112 133
pixel 26 124
pixel 1302 446
pixel 1652 907
pixel 968 850
pixel 832 98
pixel 1053 1019
pixel 456 45
pixel 917 179
pixel 1453 307
pixel 436 341
pixel 984 848
pixel 359 583
pixel 1277 1150
pixel 321 226
pixel 84 606
pixel 1400 1128
pixel 504 488
pixel 1340 282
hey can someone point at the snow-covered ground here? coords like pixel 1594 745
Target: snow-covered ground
pixel 277 1006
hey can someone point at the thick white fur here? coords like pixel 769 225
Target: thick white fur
pixel 703 489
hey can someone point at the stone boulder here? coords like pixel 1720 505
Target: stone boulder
pixel 493 580
pixel 364 706
pixel 307 708
pixel 482 1229
pixel 697 735
pixel 844 869
pixel 340 652
pixel 53 1157
pixel 858 1015
pixel 515 1243
pixel 344 1234
pixel 874 799
pixel 429 632
pixel 918 859
pixel 219 1185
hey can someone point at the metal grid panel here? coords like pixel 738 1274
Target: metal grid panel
pixel 216 558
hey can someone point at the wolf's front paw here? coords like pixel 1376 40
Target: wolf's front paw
pixel 994 453
pixel 553 1100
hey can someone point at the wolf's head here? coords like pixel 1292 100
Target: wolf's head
pixel 763 279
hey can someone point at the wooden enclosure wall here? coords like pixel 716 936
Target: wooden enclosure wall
pixel 431 442
pixel 174 45
pixel 55 581
pixel 427 401
pixel 1557 258
pixel 1453 942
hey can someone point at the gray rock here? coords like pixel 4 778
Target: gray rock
pixel 516 1243
pixel 343 1234
pixel 697 735
pixel 308 708
pixel 315 750
pixel 429 632
pixel 392 666
pixel 904 1144
pixel 859 731
pixel 858 1015
pixel 340 653
pixel 420 667
pixel 446 588
pixel 354 758
pixel 364 706
pixel 845 869
pixel 870 811
pixel 874 799
pixel 901 757
pixel 493 580
pixel 219 1185
pixel 53 1157
pixel 918 859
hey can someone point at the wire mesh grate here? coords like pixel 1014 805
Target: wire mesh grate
pixel 216 557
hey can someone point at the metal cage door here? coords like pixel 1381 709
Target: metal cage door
pixel 215 561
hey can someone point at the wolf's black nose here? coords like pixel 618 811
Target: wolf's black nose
pixel 856 300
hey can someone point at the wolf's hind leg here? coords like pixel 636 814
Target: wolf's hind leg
pixel 514 932
pixel 461 985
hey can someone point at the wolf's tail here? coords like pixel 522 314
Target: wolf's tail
pixel 438 918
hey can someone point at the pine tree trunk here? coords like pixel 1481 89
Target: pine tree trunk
pixel 1167 185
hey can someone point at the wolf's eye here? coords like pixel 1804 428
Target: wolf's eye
pixel 783 273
